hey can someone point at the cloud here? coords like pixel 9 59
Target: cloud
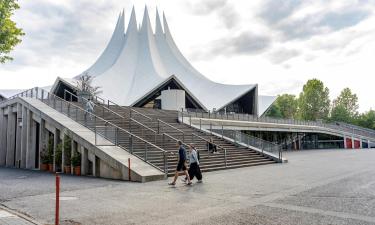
pixel 300 20
pixel 272 12
pixel 282 55
pixel 60 32
pixel 245 43
pixel 224 10
pixel 321 23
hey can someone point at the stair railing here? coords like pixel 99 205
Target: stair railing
pixel 106 133
pixel 162 123
pixel 103 107
pixel 208 142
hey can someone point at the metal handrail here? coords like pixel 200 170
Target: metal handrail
pixel 97 105
pixel 208 141
pixel 169 125
pixel 49 95
pixel 144 126
pixel 247 117
pixel 143 115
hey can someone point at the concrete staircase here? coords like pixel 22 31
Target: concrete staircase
pixel 161 127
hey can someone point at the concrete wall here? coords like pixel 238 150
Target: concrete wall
pixel 173 99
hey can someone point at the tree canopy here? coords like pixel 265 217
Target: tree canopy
pixel 285 106
pixel 10 34
pixel 345 107
pixel 313 104
pixel 314 101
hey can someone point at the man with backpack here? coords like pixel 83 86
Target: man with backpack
pixel 181 165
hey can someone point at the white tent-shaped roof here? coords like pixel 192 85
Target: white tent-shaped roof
pixel 138 62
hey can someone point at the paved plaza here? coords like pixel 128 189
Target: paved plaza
pixel 315 187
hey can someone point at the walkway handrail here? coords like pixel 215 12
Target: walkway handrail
pixel 139 113
pixel 97 105
pixel 247 117
pixel 142 125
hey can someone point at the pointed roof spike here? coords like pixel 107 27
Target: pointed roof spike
pixel 146 24
pixel 158 27
pixel 166 28
pixel 146 19
pixel 132 23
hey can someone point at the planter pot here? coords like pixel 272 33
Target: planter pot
pixel 67 169
pixel 44 167
pixel 77 170
pixel 50 167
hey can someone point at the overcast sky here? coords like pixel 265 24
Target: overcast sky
pixel 277 44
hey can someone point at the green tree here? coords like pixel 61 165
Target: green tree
pixel 10 34
pixel 367 119
pixel 274 111
pixel 345 107
pixel 285 106
pixel 314 101
pixel 288 105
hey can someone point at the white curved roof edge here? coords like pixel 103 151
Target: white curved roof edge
pixel 264 103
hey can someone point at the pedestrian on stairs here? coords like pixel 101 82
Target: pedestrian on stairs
pixel 211 146
pixel 90 107
pixel 181 165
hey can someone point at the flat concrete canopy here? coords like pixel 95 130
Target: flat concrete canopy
pixel 315 187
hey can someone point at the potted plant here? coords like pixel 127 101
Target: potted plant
pixel 67 153
pixel 85 89
pixel 44 159
pixel 76 163
pixel 49 156
pixel 58 157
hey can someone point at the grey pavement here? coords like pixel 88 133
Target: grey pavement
pixel 9 218
pixel 315 187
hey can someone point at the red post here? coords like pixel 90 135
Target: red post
pixel 129 171
pixel 57 213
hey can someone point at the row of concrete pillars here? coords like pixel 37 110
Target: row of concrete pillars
pixel 24 136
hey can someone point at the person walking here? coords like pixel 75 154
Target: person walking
pixel 181 165
pixel 194 169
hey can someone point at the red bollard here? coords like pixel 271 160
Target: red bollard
pixel 129 171
pixel 57 213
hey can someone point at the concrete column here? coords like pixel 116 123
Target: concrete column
pixel 63 152
pixel 73 150
pixel 353 143
pixel 55 142
pixel 345 144
pixel 84 160
pixel 360 143
pixel 11 138
pixel 3 137
pixel 42 138
pixel 24 137
pixel 18 136
pixel 30 141
pixel 368 144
